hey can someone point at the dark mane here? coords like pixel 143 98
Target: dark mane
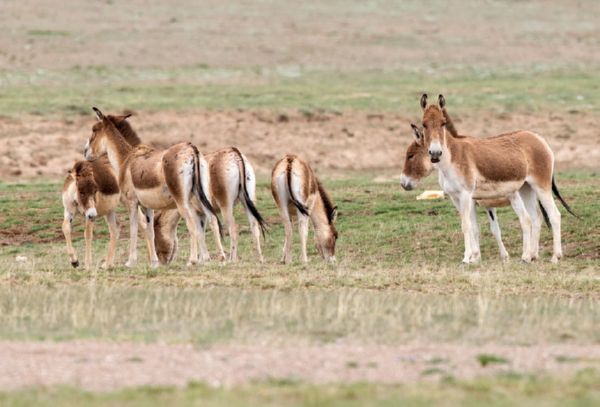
pixel 329 209
pixel 126 130
pixel 450 125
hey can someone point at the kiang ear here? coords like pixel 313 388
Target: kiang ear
pixel 441 101
pixel 418 133
pixel 424 101
pixel 99 114
pixel 127 116
pixel 334 213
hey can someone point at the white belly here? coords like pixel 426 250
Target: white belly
pixel 486 189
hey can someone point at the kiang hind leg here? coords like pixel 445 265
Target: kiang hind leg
pixel 495 229
pixel 531 205
pixel 519 207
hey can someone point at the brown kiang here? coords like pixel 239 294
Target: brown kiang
pixel 156 179
pixel 517 166
pixel 232 179
pixel 295 186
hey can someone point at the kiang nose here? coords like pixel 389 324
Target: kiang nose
pixel 435 153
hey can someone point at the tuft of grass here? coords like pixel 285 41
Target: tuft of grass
pixel 486 359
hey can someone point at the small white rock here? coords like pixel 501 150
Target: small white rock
pixel 21 259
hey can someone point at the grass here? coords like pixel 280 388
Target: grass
pixel 76 89
pixel 398 278
pixel 502 390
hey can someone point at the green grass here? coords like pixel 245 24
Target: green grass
pixel 503 390
pixel 74 91
pixel 398 278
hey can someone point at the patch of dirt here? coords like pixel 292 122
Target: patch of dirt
pixel 104 366
pixel 35 147
pixel 341 35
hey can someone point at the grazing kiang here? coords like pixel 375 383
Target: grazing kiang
pixel 232 179
pixel 92 189
pixel 517 166
pixel 155 179
pixel 295 188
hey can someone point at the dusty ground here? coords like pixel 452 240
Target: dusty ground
pixel 45 148
pixel 344 35
pixel 106 366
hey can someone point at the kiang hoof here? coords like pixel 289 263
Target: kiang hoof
pixel 526 259
pixel 75 263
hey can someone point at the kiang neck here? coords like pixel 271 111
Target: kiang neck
pixel 118 150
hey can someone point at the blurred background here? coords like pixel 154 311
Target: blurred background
pixel 271 76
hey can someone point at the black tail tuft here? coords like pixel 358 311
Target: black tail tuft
pixel 248 202
pixel 545 215
pixel 199 188
pixel 560 198
pixel 301 207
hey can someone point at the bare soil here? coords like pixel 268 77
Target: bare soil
pixel 45 148
pixel 344 35
pixel 104 366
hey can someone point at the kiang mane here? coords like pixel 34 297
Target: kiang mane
pixel 126 131
pixel 326 202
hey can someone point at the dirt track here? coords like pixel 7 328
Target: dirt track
pixel 43 148
pixel 105 365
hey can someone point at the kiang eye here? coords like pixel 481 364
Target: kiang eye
pixel 411 156
pixel 424 126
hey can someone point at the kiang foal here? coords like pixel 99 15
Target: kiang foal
pixel 294 185
pixel 518 166
pixel 155 179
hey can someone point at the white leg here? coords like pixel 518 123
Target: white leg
pixel 89 235
pixel 475 249
pixel 133 234
pixel 113 228
pixel 287 243
pixel 549 205
pixel 303 229
pixel 255 228
pixel 149 213
pixel 233 233
pixel 495 228
pixel 465 202
pixel 66 228
pixel 525 220
pixel 531 205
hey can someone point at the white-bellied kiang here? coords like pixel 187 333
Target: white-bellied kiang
pixel 156 179
pixel 92 189
pixel 295 186
pixel 232 179
pixel 518 166
pixel 417 165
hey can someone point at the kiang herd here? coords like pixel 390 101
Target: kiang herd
pixel 159 187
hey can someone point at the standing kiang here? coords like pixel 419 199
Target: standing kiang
pixel 92 189
pixel 517 166
pixel 295 188
pixel 156 179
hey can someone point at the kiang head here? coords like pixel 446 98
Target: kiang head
pixel 417 162
pixel 97 142
pixel 434 127
pixel 326 237
pixel 86 186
